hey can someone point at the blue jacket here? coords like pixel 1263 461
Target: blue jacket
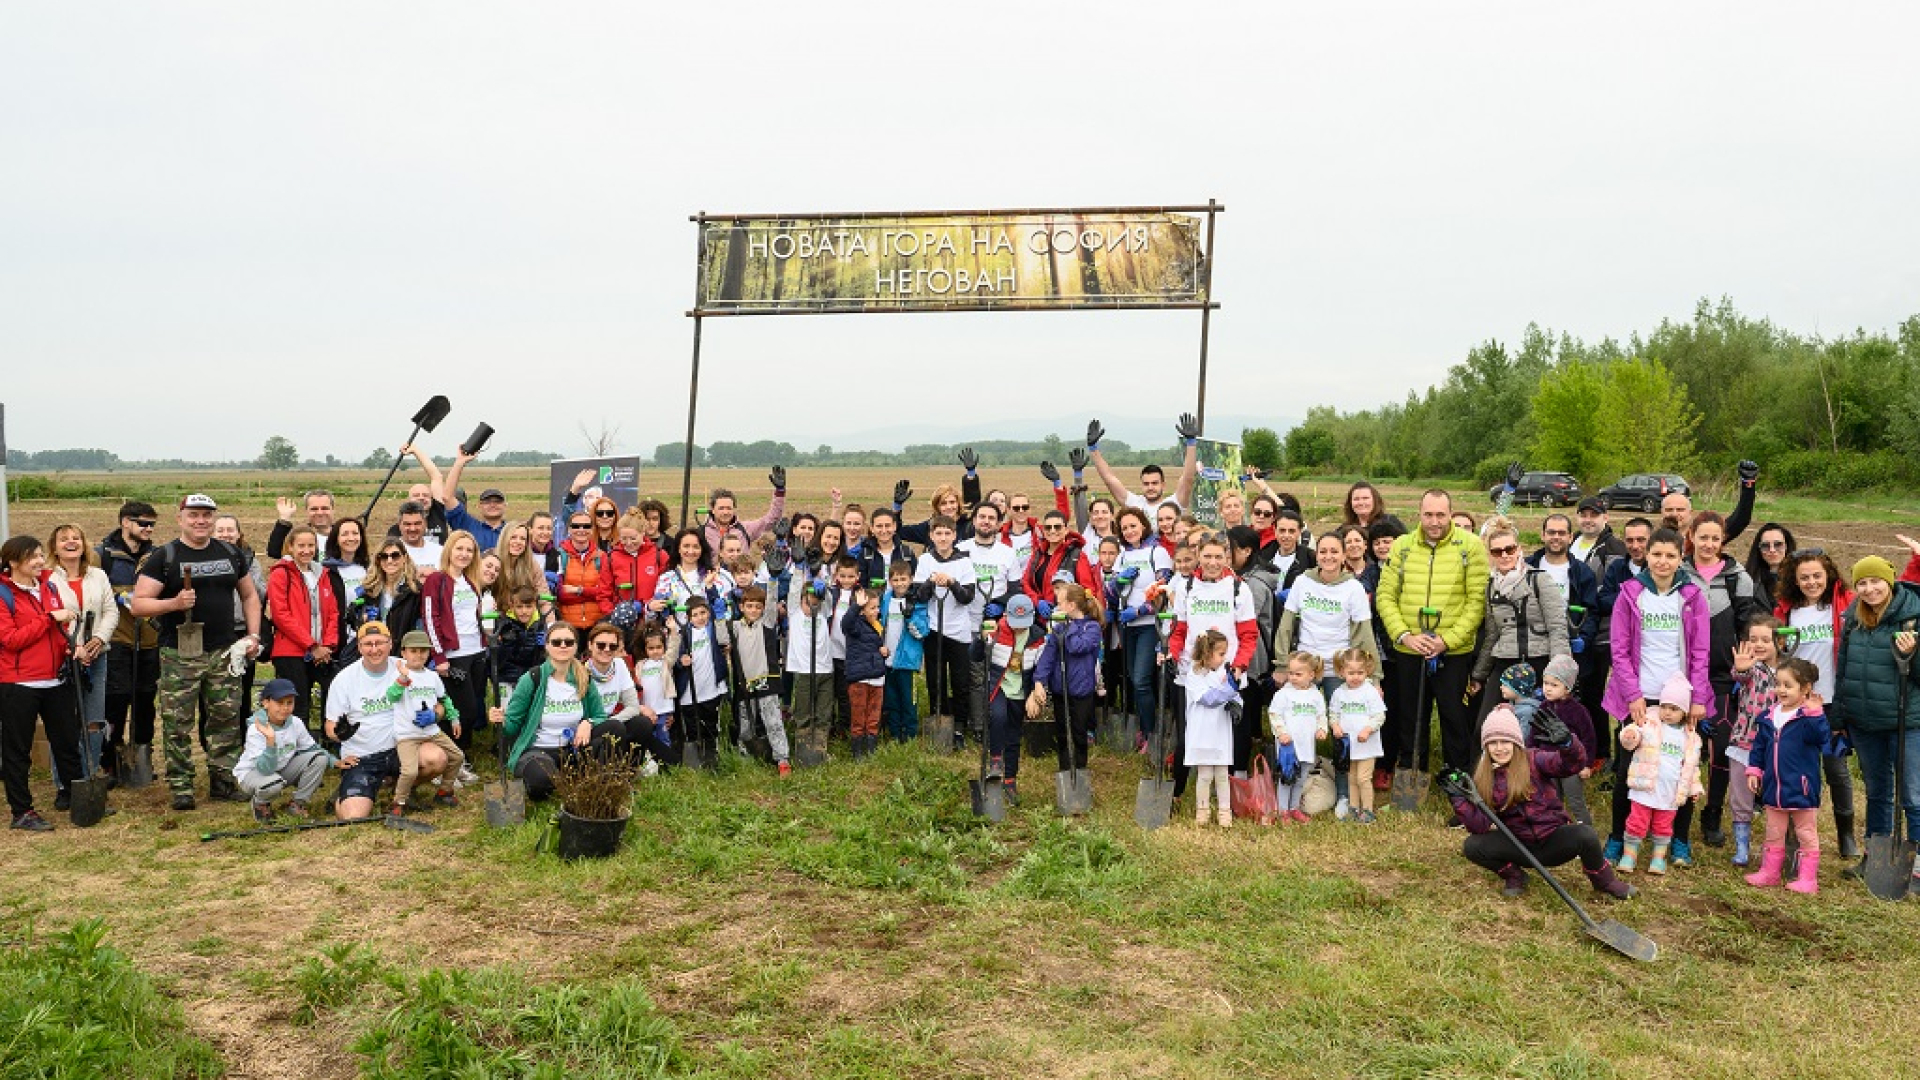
pixel 1082 638
pixel 863 647
pixel 1788 760
pixel 1582 590
pixel 908 652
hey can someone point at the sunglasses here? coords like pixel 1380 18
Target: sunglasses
pixel 1773 545
pixel 562 642
pixel 1056 527
pixel 1504 549
pixel 1021 508
pixel 605 646
pixel 1262 513
pixel 140 524
pixel 579 524
pixel 606 513
pixel 392 556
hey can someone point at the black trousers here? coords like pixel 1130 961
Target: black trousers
pixel 305 675
pixel 637 732
pixel 949 678
pixel 133 685
pixel 1406 739
pixel 59 709
pixel 1071 722
pixel 466 684
pixel 1495 852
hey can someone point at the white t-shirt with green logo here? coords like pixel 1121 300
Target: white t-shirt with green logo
pixel 1326 614
pixel 1210 605
pixel 364 697
pixel 562 710
pixel 1660 657
pixel 1815 627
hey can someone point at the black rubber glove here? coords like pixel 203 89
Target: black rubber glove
pixel 969 460
pixel 1514 472
pixel 1052 474
pixel 1077 457
pixel 779 477
pixel 902 491
pixel 1094 434
pixel 782 528
pixel 1749 472
pixel 1188 426
pixel 1550 729
pixel 1456 784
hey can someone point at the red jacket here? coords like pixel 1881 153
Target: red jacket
pixel 32 646
pixel 1842 600
pixel 436 616
pixel 640 570
pixel 1037 579
pixel 288 601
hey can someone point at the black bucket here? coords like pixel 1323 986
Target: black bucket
pixel 586 838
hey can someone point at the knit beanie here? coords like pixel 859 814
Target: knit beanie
pixel 1873 566
pixel 1501 724
pixel 1678 692
pixel 1564 670
pixel 1519 679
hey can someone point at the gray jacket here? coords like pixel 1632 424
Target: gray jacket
pixel 1517 626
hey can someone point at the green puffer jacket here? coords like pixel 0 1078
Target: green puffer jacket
pixel 1867 681
pixel 1451 575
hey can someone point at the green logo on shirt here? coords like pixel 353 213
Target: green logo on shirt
pixel 1660 622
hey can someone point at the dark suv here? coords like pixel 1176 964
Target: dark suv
pixel 1544 489
pixel 1643 491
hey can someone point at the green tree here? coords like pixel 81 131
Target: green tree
pixel 279 454
pixel 379 459
pixel 1647 422
pixel 1260 448
pixel 1566 420
pixel 1310 445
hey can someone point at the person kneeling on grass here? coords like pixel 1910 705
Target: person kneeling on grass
pixel 422 708
pixel 1516 782
pixel 279 754
pixel 360 708
pixel 551 714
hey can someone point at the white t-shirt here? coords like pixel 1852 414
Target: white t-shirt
pixel 993 565
pixel 1660 657
pixel 1210 605
pixel 351 575
pixel 1558 572
pixel 424 688
pixel 955 621
pixel 1209 728
pixel 1782 714
pixel 1327 613
pixel 807 656
pixel 1815 626
pixel 618 680
pixel 562 712
pixel 1302 714
pixel 1582 546
pixel 466 618
pixel 656 687
pixel 706 683
pixel 1022 545
pixel 836 631
pixel 426 557
pixel 1139 502
pixel 1149 559
pixel 1356 709
pixel 362 696
pixel 1090 544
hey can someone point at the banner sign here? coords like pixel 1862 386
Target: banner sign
pixel 1063 259
pixel 618 478
pixel 1219 471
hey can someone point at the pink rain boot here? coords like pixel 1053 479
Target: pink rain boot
pixel 1808 882
pixel 1772 858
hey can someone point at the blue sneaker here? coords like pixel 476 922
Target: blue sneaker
pixel 1616 847
pixel 1682 854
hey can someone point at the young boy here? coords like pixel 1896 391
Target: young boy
pixel 1012 663
pixel 945 580
pixel 846 580
pixel 1521 691
pixel 281 753
pixel 519 642
pixel 422 706
pixel 906 627
pixel 757 652
pixel 810 666
pixel 702 678
pixel 1754 700
pixel 1563 674
pixel 866 670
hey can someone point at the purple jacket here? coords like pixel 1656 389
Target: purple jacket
pixel 1578 721
pixel 1540 816
pixel 1696 634
pixel 1083 659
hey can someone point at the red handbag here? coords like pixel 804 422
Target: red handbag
pixel 1255 796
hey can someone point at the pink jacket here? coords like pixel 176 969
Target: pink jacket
pixel 1696 635
pixel 1643 772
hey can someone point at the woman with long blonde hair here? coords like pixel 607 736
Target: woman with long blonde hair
pixel 520 567
pixel 85 589
pixel 452 612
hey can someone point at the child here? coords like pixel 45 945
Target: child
pixel 840 603
pixel 906 627
pixel 1013 661
pixel 810 665
pixel 866 670
pixel 1563 672
pixel 1663 776
pixel 700 680
pixel 1753 702
pixel 1358 714
pixel 1078 635
pixel 757 660
pixel 418 713
pixel 520 643
pixel 654 678
pixel 1521 691
pixel 1785 772
pixel 279 753
pixel 1209 740
pixel 945 580
pixel 1297 716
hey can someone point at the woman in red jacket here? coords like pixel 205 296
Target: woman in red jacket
pixel 303 596
pixel 33 656
pixel 451 615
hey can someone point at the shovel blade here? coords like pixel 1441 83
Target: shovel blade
pixel 136 765
pixel 1153 804
pixel 503 812
pixel 989 799
pixel 690 757
pixel 1409 789
pixel 1888 867
pixel 1624 940
pixel 434 411
pixel 938 732
pixel 89 801
pixel 1073 792
pixel 810 749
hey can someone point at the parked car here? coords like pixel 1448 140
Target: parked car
pixel 1543 489
pixel 1643 491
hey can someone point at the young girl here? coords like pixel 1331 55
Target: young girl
pixel 1563 673
pixel 1209 730
pixel 654 678
pixel 1296 717
pixel 1753 702
pixel 1784 771
pixel 1358 713
pixel 1078 634
pixel 702 679
pixel 1664 774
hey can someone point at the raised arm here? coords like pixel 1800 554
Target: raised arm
pixel 1189 429
pixel 448 492
pixel 435 481
pixel 1077 457
pixel 1112 479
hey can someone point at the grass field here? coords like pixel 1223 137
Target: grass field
pixel 857 921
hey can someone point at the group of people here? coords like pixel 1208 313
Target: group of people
pixel 1632 659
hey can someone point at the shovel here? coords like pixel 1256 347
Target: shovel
pixel 1410 784
pixel 989 794
pixel 428 418
pixel 506 800
pixel 1153 803
pixel 1612 933
pixel 136 759
pixel 1072 787
pixel 1889 863
pixel 89 793
pixel 400 824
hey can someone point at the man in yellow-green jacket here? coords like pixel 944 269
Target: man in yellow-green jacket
pixel 1432 596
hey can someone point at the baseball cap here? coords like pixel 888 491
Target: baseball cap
pixel 1020 612
pixel 1593 504
pixel 199 501
pixel 277 690
pixel 1063 575
pixel 375 626
pixel 493 495
pixel 416 639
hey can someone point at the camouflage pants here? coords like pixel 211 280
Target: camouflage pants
pixel 185 686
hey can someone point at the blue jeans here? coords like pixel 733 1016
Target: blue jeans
pixel 93 715
pixel 1141 644
pixel 897 706
pixel 1876 751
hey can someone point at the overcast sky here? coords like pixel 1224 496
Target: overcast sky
pixel 220 222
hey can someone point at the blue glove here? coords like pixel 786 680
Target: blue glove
pixel 1706 727
pixel 994 611
pixel 553 580
pixel 1579 646
pixel 1043 609
pixel 1839 744
pixel 1128 575
pixel 1281 595
pixel 423 718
